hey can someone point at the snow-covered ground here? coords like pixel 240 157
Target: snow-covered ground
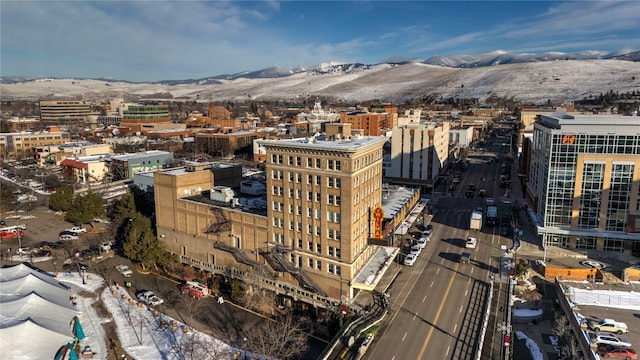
pixel 608 298
pixel 527 82
pixel 143 332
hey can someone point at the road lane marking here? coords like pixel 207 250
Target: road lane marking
pixel 448 348
pixel 415 316
pixel 431 284
pixel 424 299
pixel 466 292
pixel 439 312
pixel 462 306
pixel 405 335
pixel 438 271
pixel 455 328
pixel 472 270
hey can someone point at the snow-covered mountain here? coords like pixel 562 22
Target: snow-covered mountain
pixel 502 57
pixel 551 76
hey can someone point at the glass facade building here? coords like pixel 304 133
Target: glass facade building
pixel 584 181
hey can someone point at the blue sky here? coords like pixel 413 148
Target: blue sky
pixel 159 40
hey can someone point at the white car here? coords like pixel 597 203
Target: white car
pixel 471 243
pixel 67 237
pixel 124 270
pixel 422 242
pixel 604 338
pixel 415 249
pixel 149 298
pixel 410 259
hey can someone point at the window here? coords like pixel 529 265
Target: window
pixel 309 212
pixel 330 251
pixel 338 270
pixel 330 267
pixel 290 176
pixel 300 243
pixel 309 162
pixel 330 181
pixel 310 246
pixel 338 182
pixel 310 263
pixel 319 265
pixel 298 177
pixel 318 163
pixel 337 252
pixel 299 210
pixel 319 248
pixel 317 230
pixel 317 197
pixel 290 208
pixel 291 160
pixel 309 179
pixel 318 214
pixel 298 161
pixel 290 193
pixel 291 225
pixel 318 180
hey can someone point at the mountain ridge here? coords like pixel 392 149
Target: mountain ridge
pixel 555 78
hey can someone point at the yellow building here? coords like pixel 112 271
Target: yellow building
pixel 19 145
pixel 311 237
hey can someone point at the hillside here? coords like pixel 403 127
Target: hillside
pixel 531 82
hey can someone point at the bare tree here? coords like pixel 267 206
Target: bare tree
pixel 562 330
pixel 283 338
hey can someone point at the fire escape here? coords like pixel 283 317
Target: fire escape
pixel 277 259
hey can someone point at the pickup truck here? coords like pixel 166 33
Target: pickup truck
pixel 76 230
pixel 149 298
pixel 608 325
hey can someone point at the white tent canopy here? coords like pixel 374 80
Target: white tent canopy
pixel 35 314
pixel 38 310
pixel 29 340
pixel 22 270
pixel 20 287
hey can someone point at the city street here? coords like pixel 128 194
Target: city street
pixel 438 305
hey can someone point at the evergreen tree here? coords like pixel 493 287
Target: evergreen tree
pixel 63 197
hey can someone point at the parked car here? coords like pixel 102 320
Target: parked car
pixel 67 237
pixel 410 259
pixel 605 338
pixel 415 250
pixel 465 257
pixel 471 243
pixel 124 270
pixel 422 242
pixel 149 298
pixel 610 351
pixel 608 325
pixel 106 245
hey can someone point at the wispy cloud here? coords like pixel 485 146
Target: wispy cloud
pixel 151 40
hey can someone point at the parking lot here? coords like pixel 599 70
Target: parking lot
pixel 45 225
